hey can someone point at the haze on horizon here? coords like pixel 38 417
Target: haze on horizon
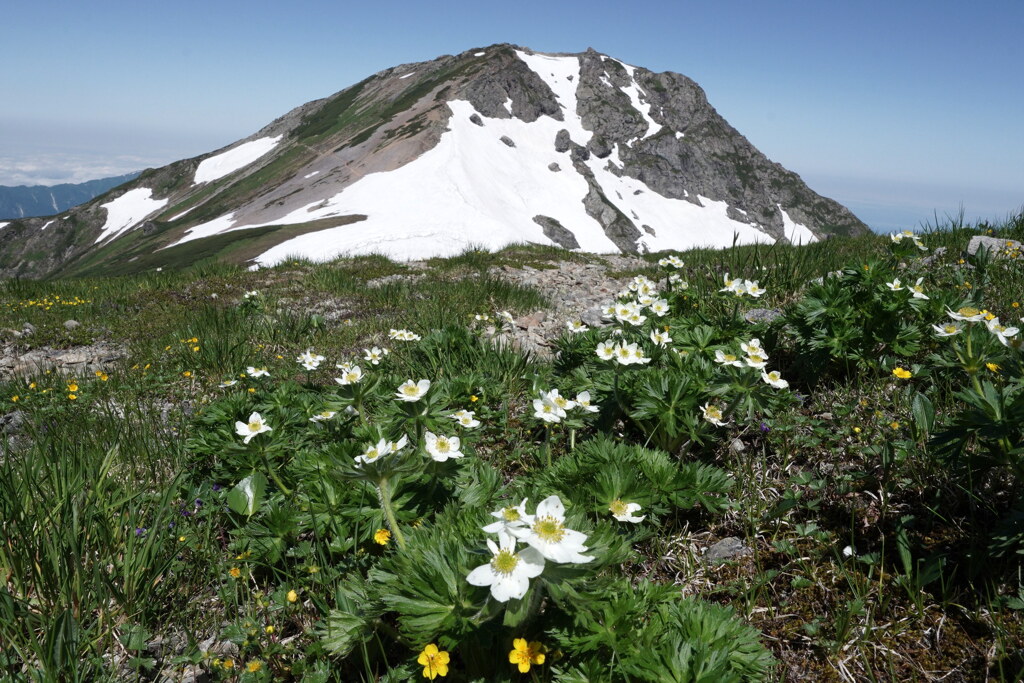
pixel 905 113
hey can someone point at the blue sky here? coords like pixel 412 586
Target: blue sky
pixel 903 111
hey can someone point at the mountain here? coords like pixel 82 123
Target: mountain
pixel 492 146
pixel 26 201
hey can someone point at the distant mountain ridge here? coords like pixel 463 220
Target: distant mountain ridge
pixel 489 147
pixel 27 201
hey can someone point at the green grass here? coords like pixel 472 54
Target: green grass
pixel 881 514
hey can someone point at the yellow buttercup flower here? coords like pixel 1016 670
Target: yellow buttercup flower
pixel 902 373
pixel 992 367
pixel 433 661
pixel 894 424
pixel 235 573
pixel 382 536
pixel 293 596
pixel 72 387
pixel 254 666
pixel 526 654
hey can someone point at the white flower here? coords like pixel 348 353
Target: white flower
pixel 403 335
pixel 411 391
pixel 547 533
pixel 257 372
pixel 712 414
pixel 547 411
pixel 623 512
pixel 440 448
pixel 228 383
pixel 753 289
pixel 848 551
pixel 559 400
pixel 254 426
pixel 506 317
pixel 576 326
pixel 967 314
pixel 605 350
pixel 723 358
pixel 736 286
pixel 629 354
pixel 917 290
pixel 752 347
pixel 465 419
pixel 309 360
pixel 660 338
pixel 678 282
pixel 375 355
pixel 583 402
pixel 645 300
pixel 947 330
pixel 757 361
pixel 509 518
pixel 774 379
pixel 1001 331
pixel 895 285
pixel 380 449
pixel 671 261
pixel 350 375
pixel 659 307
pixel 508 573
pixel 323 415
pixel 250 295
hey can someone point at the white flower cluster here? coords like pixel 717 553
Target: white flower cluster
pixel 380 449
pixel 547 539
pixel 671 262
pixel 621 353
pixel 741 287
pixel 898 237
pixel 309 360
pixel 754 357
pixel 973 315
pixel 553 407
pixel 403 335
pixel 916 290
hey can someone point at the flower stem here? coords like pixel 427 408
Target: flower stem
pixel 389 513
pixel 273 474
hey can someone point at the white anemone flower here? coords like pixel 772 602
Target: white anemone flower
pixel 441 447
pixel 547 533
pixel 310 360
pixel 947 330
pixel 583 402
pixel 758 361
pixel 1002 332
pixel 509 517
pixel 257 372
pixel 254 426
pixel 636 319
pixel 753 289
pixel 659 307
pixel 465 418
pixel 576 326
pixel 555 397
pixel 381 449
pixel 605 350
pixel 548 411
pixel 661 338
pixel 403 335
pixel 712 414
pixel 228 383
pixel 752 347
pixel 351 375
pixel 735 286
pixel 608 312
pixel 917 290
pixel 508 573
pixel 672 261
pixel 411 391
pixel 774 379
pixel 645 300
pixel 323 416
pixel 723 358
pixel 375 355
pixel 896 285
pixel 678 282
pixel 623 512
pixel 967 314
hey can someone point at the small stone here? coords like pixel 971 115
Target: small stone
pixel 475 118
pixel 28 329
pixel 737 446
pixel 727 549
pixel 71 324
pixel 553 166
pixel 507 140
pixel 762 315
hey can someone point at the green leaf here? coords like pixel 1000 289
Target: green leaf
pixel 246 496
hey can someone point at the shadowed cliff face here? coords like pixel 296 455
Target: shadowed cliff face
pixel 579 150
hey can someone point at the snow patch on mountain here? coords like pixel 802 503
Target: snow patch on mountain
pixel 218 166
pixel 47 224
pixel 562 75
pixel 795 232
pixel 4 225
pixel 128 210
pixel 633 93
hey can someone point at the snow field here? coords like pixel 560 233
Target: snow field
pixel 218 166
pixel 127 211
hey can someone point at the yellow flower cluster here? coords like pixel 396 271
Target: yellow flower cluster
pixel 47 302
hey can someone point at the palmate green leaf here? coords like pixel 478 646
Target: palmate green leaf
pixel 247 494
pixel 351 622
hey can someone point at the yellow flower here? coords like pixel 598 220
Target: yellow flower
pixel 32 385
pixel 14 398
pixel 72 397
pixel 382 536
pixel 195 348
pixel 269 629
pixel 474 398
pixel 252 390
pixel 254 666
pixel 433 661
pixel 1015 304
pixel 856 430
pixel 293 596
pixel 72 387
pixel 894 424
pixel 901 373
pixel 228 664
pixel 525 654
pixel 992 367
pixel 235 573
pixel 181 539
pixel 187 373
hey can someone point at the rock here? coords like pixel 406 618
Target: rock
pixel 737 446
pixel 71 324
pixel 11 423
pixel 475 118
pixel 28 329
pixel 507 140
pixel 934 256
pixel 762 315
pixel 556 232
pixel 8 333
pixel 727 549
pixel 553 166
pixel 599 147
pixel 579 154
pixel 593 317
pixel 562 141
pixel 996 247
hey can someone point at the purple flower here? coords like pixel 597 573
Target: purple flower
pixel 765 428
pixel 216 487
pixel 140 530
